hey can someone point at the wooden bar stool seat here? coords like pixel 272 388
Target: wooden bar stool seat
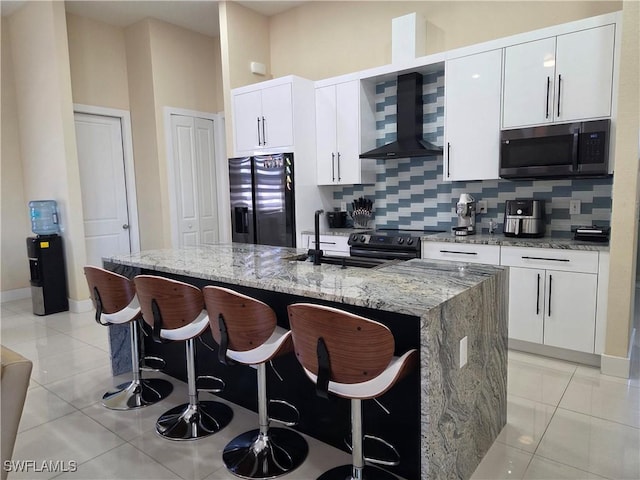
pixel 246 332
pixel 175 311
pixel 352 357
pixel 114 298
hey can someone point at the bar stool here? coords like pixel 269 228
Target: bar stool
pixel 115 301
pixel 246 332
pixel 175 311
pixel 351 357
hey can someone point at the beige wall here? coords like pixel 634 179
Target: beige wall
pixel 167 66
pixel 323 39
pixel 14 213
pixel 98 60
pixel 247 40
pixel 624 225
pixel 145 146
pixel 45 118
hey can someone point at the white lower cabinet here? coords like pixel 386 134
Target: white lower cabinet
pixel 552 296
pixel 336 245
pixel 462 252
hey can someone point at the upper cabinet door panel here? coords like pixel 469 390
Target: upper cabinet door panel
pixel 247 111
pixel 326 130
pixel 472 116
pixel 584 72
pixel 529 74
pixel 277 110
pixel 348 139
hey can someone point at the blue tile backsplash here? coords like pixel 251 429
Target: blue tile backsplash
pixel 411 192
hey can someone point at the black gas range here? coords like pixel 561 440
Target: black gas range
pixel 388 243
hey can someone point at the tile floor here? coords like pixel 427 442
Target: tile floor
pixel 565 421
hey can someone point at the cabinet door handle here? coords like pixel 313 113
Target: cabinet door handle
pixel 333 167
pixel 550 280
pixel 339 176
pixel 544 258
pixel 559 87
pixel 259 139
pixel 264 137
pixel 458 253
pixel 548 88
pixel 448 161
pixel 538 297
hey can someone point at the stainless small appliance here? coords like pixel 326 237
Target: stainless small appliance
pixel 579 149
pixel 337 219
pixel 466 210
pixel 524 218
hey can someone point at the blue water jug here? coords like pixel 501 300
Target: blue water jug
pixel 44 217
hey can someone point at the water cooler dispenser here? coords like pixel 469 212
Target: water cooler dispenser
pixel 46 260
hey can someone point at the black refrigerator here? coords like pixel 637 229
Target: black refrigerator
pixel 262 199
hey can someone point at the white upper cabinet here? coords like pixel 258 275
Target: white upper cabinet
pixel 338 138
pixel 559 79
pixel 472 116
pixel 263 118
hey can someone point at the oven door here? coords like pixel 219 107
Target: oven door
pixel 383 254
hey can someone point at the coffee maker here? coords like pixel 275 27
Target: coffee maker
pixel 466 210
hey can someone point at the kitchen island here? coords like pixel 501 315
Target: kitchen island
pixel 429 305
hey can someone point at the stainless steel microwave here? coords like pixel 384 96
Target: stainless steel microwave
pixel 579 149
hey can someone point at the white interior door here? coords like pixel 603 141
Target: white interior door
pixel 103 185
pixel 194 180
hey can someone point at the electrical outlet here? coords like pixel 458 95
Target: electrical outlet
pixel 463 352
pixel 574 207
pixel 482 206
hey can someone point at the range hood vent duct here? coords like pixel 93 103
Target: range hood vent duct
pixel 409 141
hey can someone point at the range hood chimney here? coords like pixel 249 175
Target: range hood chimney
pixel 409 141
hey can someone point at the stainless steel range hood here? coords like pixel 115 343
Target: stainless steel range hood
pixel 409 141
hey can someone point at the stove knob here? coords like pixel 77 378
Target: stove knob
pixel 354 237
pixel 400 241
pixel 410 241
pixel 362 238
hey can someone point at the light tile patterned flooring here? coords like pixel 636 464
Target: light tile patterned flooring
pixel 565 421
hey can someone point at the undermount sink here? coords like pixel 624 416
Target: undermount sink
pixel 361 262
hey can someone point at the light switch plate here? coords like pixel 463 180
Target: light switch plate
pixel 482 206
pixel 463 352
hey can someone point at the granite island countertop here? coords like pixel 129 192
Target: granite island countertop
pixel 412 287
pixel 462 403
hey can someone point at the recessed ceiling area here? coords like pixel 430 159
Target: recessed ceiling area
pixel 199 16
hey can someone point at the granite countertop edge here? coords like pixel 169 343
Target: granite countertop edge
pixel 501 240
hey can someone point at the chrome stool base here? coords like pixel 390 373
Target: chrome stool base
pixel 344 472
pixel 192 421
pixel 137 394
pixel 256 455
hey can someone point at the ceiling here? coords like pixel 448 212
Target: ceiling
pixel 197 15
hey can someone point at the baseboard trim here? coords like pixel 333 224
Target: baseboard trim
pixel 17 294
pixel 584 358
pixel 615 366
pixel 79 306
